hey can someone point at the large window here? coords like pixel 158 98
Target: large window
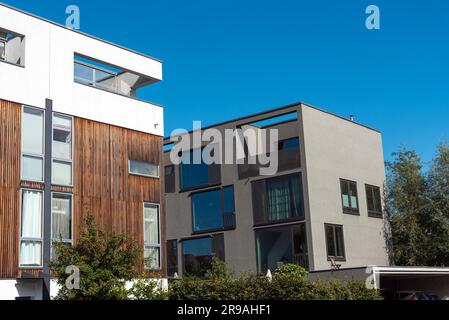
pixel 349 196
pixel 152 238
pixel 145 169
pixel 278 199
pixel 172 257
pixel 62 150
pixel 61 217
pixel 12 47
pixel 373 200
pixel 31 228
pixel 213 210
pixel 335 242
pixel 169 172
pixel 277 246
pixel 194 175
pixel 32 144
pixel 198 253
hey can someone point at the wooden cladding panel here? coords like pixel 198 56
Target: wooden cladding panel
pixel 10 115
pixel 103 186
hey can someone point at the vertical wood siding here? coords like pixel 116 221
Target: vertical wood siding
pixel 102 185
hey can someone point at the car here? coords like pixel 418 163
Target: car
pixel 410 295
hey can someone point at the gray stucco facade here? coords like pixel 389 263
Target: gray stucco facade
pixel 331 148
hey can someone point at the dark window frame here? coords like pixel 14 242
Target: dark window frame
pixel 373 213
pixel 223 213
pixel 174 268
pixel 349 210
pixel 170 188
pixel 266 222
pixel 334 227
pixel 213 253
pixel 210 173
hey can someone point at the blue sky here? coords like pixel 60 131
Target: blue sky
pixel 225 59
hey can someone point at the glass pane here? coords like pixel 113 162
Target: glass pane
pixel 33 131
pixel 289 143
pixel 151 256
pixel 369 198
pixel 340 244
pixel 30 253
pixel 330 241
pixel 62 137
pixel 83 73
pixel 353 191
pixel 296 189
pixel 151 220
pixel 279 199
pixel 32 168
pixel 377 200
pixel 143 168
pixel 61 217
pixel 2 50
pixel 197 255
pixel 31 214
pixel 299 239
pixel 172 257
pixel 274 248
pixel 193 175
pixel 62 173
pixel 105 80
pixel 207 213
pixel 228 197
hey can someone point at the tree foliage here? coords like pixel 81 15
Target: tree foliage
pixel 417 205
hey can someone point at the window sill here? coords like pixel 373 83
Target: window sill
pixel 204 186
pixel 12 64
pixel 205 232
pixel 337 259
pixel 143 175
pixel 374 214
pixel 354 212
pixel 279 222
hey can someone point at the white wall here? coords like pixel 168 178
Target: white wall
pixel 48 73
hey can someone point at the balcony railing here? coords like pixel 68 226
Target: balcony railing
pixel 90 75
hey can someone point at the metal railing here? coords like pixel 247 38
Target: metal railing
pixel 90 75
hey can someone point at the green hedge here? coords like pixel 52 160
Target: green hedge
pixel 289 282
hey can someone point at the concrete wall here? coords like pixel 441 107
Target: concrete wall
pixel 337 148
pixel 48 74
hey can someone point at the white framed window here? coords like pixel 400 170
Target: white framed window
pixel 62 150
pixel 2 49
pixel 145 169
pixel 31 228
pixel 151 236
pixel 33 130
pixel 61 219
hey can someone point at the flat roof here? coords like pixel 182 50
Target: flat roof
pixel 295 104
pixel 77 31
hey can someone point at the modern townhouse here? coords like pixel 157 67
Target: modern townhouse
pixel 75 139
pixel 321 210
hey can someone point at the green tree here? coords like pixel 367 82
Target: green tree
pixel 407 207
pixel 437 222
pixel 106 263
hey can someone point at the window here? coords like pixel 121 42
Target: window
pixel 152 244
pixel 289 155
pixel 373 201
pixel 62 150
pixel 278 199
pixel 172 257
pixel 349 196
pixel 169 179
pixel 277 246
pixel 61 220
pixel 213 210
pixel 197 254
pixel 12 47
pixel 31 228
pixel 194 175
pixel 335 242
pixel 289 143
pixel 2 49
pixel 32 144
pixel 145 169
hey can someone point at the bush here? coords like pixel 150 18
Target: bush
pixel 289 282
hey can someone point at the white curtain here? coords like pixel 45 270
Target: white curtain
pixel 32 214
pixel 151 213
pixel 60 220
pixel 30 253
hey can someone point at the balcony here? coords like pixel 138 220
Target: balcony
pixel 102 76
